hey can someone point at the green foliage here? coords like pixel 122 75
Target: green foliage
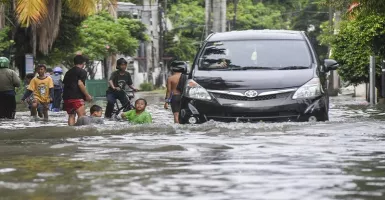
pixel 356 41
pixel 256 16
pixel 188 21
pixel 314 15
pixel 65 45
pixel 146 86
pixel 5 41
pixel 136 28
pixel 101 36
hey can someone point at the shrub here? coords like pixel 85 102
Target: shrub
pixel 146 86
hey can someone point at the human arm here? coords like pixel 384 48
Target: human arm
pixel 133 88
pixel 111 82
pixel 27 93
pixel 147 119
pixel 51 94
pixel 82 88
pixel 130 83
pixel 81 83
pixel 15 79
pixel 123 115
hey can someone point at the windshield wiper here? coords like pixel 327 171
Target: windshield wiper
pixel 293 67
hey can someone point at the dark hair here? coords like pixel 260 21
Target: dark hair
pixel 120 61
pixel 30 76
pixel 80 59
pixel 141 99
pixel 40 66
pixel 95 108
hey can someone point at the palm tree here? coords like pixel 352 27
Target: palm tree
pixel 43 17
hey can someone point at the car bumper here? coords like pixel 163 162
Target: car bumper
pixel 284 109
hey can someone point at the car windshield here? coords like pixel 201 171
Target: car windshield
pixel 255 55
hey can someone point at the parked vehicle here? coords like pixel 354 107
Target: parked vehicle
pixel 257 75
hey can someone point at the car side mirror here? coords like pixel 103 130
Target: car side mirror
pixel 330 65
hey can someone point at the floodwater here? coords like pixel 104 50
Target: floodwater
pixel 340 159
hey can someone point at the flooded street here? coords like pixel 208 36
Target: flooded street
pixel 340 159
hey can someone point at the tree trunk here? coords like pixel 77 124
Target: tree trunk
pixel 2 16
pixel 112 58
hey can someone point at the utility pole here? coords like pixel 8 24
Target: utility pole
pixel 162 27
pixel 150 18
pixel 208 9
pixel 216 9
pixel 331 89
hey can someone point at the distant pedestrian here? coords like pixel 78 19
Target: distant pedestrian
pixel 42 89
pixel 94 118
pixel 174 88
pixel 74 91
pixel 29 99
pixel 58 88
pixel 8 81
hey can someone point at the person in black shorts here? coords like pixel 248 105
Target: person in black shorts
pixel 175 84
pixel 117 83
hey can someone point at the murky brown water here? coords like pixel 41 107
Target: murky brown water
pixel 340 159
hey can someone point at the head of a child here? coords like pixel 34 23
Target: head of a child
pixel 29 77
pixel 96 111
pixel 140 105
pixel 80 60
pixel 49 71
pixel 121 64
pixel 41 69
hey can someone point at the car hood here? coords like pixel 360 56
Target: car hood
pixel 253 79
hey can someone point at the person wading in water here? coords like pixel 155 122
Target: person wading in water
pixel 175 84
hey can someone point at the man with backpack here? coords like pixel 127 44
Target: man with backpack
pixel 175 85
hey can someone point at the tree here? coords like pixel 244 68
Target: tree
pixel 357 40
pixel 188 21
pixel 43 18
pixel 256 16
pixel 101 36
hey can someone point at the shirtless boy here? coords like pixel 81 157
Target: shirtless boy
pixel 173 93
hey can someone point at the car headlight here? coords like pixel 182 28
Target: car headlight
pixel 195 91
pixel 310 89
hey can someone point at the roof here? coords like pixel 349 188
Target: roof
pixel 127 7
pixel 256 34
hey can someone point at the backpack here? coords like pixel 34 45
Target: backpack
pixel 57 82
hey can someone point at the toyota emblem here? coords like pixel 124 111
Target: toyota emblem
pixel 251 93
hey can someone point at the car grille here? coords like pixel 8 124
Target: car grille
pixel 257 98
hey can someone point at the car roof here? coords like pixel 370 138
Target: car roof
pixel 256 34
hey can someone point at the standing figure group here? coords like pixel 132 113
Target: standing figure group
pixel 49 88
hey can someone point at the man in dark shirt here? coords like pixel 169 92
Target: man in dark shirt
pixel 117 83
pixel 74 91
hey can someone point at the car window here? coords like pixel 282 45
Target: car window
pixel 255 55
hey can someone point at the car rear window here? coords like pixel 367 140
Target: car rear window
pixel 255 55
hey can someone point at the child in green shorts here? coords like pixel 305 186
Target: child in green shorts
pixel 139 115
